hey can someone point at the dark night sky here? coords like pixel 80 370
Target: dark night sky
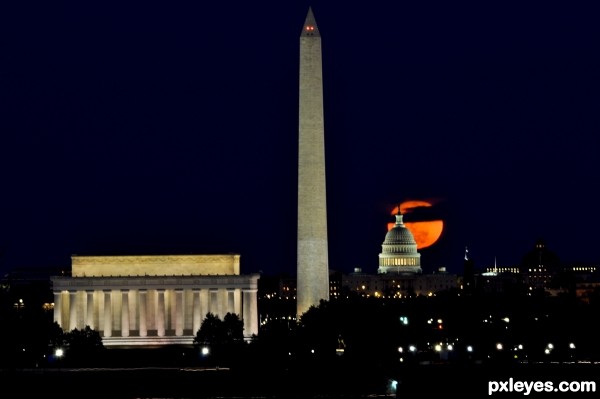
pixel 171 127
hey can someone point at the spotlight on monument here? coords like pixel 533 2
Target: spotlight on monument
pixel 59 353
pixel 205 351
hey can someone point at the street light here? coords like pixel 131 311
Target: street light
pixel 19 304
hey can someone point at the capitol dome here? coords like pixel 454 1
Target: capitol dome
pixel 399 251
pixel 399 234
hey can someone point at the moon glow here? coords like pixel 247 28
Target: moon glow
pixel 426 233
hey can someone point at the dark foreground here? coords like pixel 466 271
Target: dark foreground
pixel 207 383
pixel 188 383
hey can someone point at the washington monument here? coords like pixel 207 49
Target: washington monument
pixel 312 264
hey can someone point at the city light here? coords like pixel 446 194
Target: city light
pixel 392 386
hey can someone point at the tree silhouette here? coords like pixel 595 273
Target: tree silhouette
pixel 234 328
pixel 56 337
pixel 223 338
pixel 83 347
pixel 211 331
pixel 85 340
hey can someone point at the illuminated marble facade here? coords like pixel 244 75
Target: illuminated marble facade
pixel 153 300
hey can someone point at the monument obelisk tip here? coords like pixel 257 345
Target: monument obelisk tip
pixel 310 27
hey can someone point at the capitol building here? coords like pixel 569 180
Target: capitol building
pixel 399 273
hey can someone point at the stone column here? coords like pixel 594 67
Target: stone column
pixel 89 314
pixel 229 300
pixel 142 299
pixel 250 315
pixel 204 294
pixel 196 311
pixel 221 302
pixel 178 312
pixel 237 302
pixel 72 310
pixel 213 300
pixel 107 313
pixel 58 308
pixel 125 313
pixel 160 317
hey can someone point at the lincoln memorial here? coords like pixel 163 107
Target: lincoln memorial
pixel 153 299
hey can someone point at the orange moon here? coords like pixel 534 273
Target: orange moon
pixel 426 233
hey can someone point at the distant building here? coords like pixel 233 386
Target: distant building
pixel 399 253
pixel 335 283
pixel 539 267
pixel 153 300
pixel 539 272
pixel 30 288
pixel 283 286
pixel 500 280
pixel 584 280
pixel 588 290
pixel 392 285
pixel 399 274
